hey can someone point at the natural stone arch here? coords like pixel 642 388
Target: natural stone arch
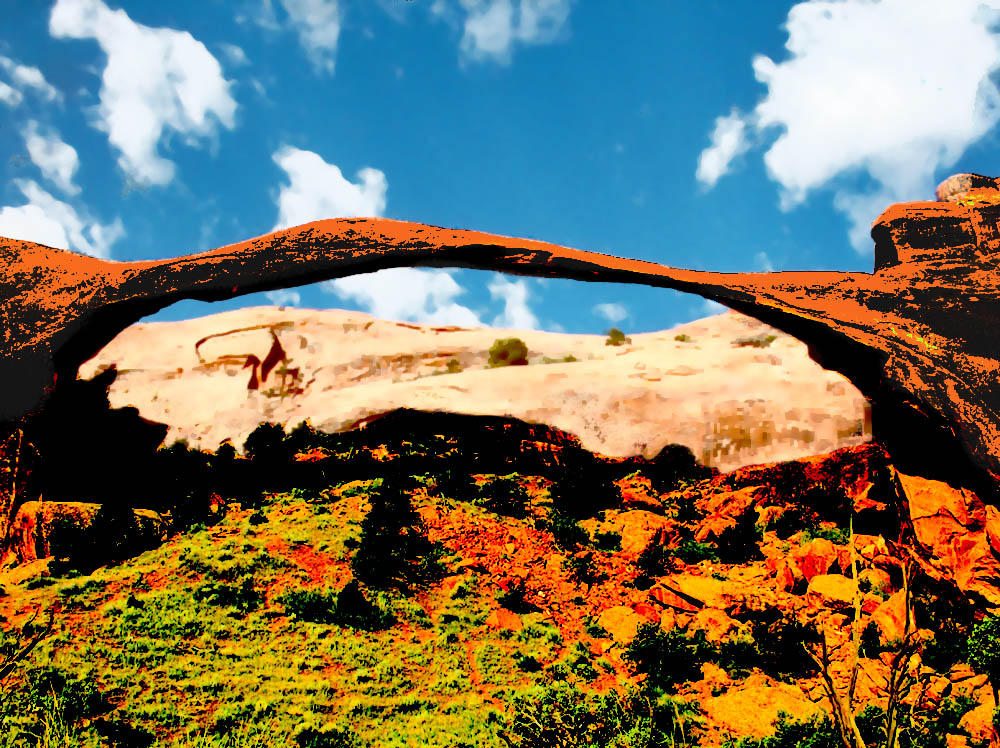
pixel 918 336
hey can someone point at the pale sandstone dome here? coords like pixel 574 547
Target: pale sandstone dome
pixel 731 405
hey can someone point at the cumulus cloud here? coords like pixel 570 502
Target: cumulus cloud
pixel 611 312
pixel 9 96
pixel 407 294
pixel 492 28
pixel 46 220
pixel 316 190
pixel 317 23
pixel 860 95
pixel 57 160
pixel 23 76
pixel 234 54
pixel 284 297
pixel 155 79
pixel 516 312
pixel 764 262
pixel 728 141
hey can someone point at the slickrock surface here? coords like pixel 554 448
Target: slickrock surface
pixel 732 405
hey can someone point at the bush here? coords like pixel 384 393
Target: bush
pixel 561 714
pixel 763 340
pixel 676 463
pixel 668 658
pixel 453 366
pixel 348 607
pixel 393 550
pixel 266 445
pixel 566 531
pixel 503 494
pixel 616 337
pixel 508 352
pixel 683 338
pixel 333 737
pixel 984 649
pixel 242 597
pixel 819 732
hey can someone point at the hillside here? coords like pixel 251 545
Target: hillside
pixel 536 594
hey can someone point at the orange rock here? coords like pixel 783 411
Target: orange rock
pixel 637 492
pixel 621 622
pixel 815 557
pixel 638 527
pixel 751 707
pixel 671 599
pixel 501 618
pixel 831 591
pixel 714 622
pixel 647 611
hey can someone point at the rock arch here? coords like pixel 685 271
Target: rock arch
pixel 918 336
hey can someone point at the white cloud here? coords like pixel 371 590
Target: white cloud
pixel 29 77
pixel 764 262
pixel 318 190
pixel 46 220
pixel 317 23
pixel 407 294
pixel 860 95
pixel 234 54
pixel 515 297
pixel 284 297
pixel 57 160
pixel 9 96
pixel 491 28
pixel 611 312
pixel 728 141
pixel 713 307
pixel 155 79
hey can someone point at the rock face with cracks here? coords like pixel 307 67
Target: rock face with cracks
pixel 918 336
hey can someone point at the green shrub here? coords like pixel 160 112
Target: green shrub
pixel 393 550
pixel 683 338
pixel 565 530
pixel 561 714
pixel 616 337
pixel 984 649
pixel 508 352
pixel 242 597
pixel 763 340
pixel 818 732
pixel 668 658
pixel 453 366
pixel 266 444
pixel 503 494
pixel 608 541
pixel 348 607
pixel 332 737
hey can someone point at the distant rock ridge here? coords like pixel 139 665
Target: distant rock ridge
pixel 217 377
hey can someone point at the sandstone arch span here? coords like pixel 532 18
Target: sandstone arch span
pixel 918 336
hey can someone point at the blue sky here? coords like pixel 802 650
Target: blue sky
pixel 719 135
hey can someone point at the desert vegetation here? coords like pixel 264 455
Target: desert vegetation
pixel 425 580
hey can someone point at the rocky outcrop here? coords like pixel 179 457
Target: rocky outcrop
pixel 62 528
pixel 918 336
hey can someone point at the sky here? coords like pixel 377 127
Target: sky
pixel 725 135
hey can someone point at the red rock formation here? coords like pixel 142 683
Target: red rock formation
pixel 917 336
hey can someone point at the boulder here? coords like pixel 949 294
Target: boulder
pixel 831 591
pixel 621 622
pixel 62 528
pixel 638 527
